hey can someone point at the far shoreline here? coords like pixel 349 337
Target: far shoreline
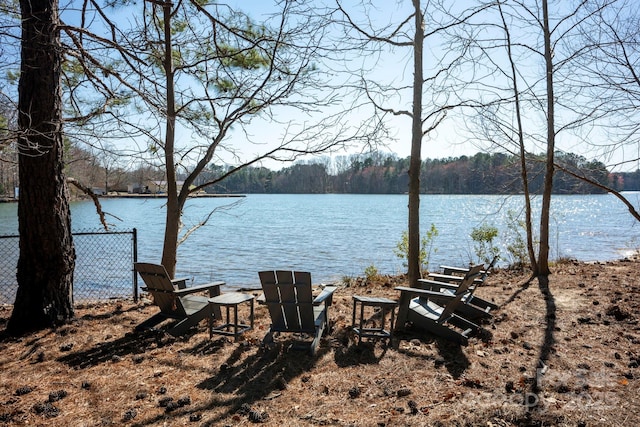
pixel 136 196
pixel 164 195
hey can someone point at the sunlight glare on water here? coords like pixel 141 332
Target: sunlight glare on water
pixel 336 236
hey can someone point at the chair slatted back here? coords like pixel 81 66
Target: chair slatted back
pixel 487 270
pixel 302 280
pixel 461 291
pixel 289 299
pixel 159 285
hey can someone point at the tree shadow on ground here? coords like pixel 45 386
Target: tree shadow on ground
pixel 261 375
pixel 548 342
pixel 348 351
pixel 450 354
pixel 33 338
pixel 550 318
pixel 247 376
pixel 62 329
pixel 131 344
pixel 362 353
pixel 536 414
pixel 117 311
pixel 521 288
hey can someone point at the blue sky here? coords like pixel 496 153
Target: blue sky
pixel 454 137
pixel 393 66
pixel 451 138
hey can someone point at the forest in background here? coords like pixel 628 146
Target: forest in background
pixel 370 173
pixel 481 173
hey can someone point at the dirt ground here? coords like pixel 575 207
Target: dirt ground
pixel 567 355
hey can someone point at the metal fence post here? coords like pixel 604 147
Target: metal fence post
pixel 135 259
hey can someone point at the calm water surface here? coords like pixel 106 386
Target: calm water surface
pixel 334 236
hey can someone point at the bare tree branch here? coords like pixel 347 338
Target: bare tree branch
pixel 89 192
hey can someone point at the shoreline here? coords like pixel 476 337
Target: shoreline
pixel 137 196
pixel 164 196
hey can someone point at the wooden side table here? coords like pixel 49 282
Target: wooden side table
pixel 358 318
pixel 230 326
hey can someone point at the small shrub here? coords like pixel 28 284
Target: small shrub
pixel 426 248
pixel 371 273
pixel 347 281
pixel 564 260
pixel 483 237
pixel 516 242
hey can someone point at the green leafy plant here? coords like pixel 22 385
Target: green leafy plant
pixel 484 246
pixel 348 281
pixel 427 248
pixel 516 243
pixel 371 273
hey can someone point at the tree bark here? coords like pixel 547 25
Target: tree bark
pixel 174 207
pixel 523 154
pixel 413 257
pixel 543 255
pixel 47 255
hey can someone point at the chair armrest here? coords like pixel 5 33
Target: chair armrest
pixel 453 269
pixel 423 293
pixel 157 291
pixel 262 299
pixel 213 288
pixel 180 283
pixel 327 293
pixel 436 285
pixel 446 277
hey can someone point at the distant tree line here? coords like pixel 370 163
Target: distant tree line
pixel 374 174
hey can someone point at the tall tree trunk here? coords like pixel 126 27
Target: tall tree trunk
pixel 413 257
pixel 47 255
pixel 172 223
pixel 523 154
pixel 543 256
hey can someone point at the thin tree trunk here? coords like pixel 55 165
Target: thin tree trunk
pixel 523 159
pixel 416 148
pixel 172 223
pixel 47 256
pixel 543 255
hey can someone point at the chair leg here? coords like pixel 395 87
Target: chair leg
pixel 316 341
pixel 183 325
pixel 151 322
pixel 267 341
pixel 403 311
pixel 429 325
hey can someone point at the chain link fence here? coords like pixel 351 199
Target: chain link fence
pixel 104 266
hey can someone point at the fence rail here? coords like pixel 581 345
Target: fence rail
pixel 104 266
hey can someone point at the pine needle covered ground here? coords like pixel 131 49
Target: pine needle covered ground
pixel 566 356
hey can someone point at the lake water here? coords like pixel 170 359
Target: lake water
pixel 334 236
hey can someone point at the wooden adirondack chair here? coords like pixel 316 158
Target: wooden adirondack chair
pixel 472 307
pixel 175 299
pixel 459 272
pixel 436 311
pixel 292 307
